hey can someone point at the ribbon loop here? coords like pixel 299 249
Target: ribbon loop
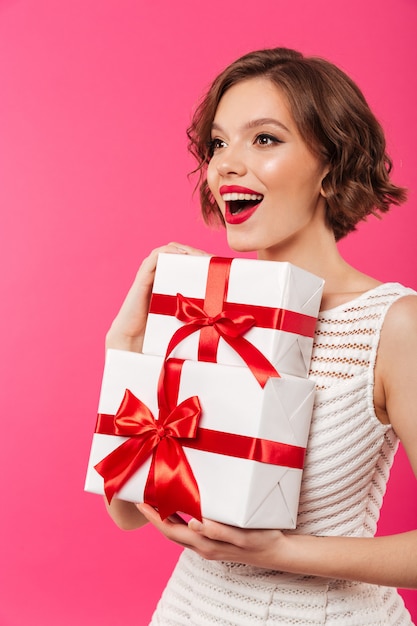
pixel 158 438
pixel 133 417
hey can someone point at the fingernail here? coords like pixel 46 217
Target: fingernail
pixel 194 524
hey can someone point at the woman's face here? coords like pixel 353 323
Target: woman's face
pixel 265 179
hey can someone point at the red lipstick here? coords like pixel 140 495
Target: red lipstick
pixel 237 189
pixel 239 218
pixel 239 210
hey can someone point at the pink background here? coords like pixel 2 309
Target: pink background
pixel 95 97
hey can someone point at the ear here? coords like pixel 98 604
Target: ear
pixel 325 172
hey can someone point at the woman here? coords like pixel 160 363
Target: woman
pixel 290 159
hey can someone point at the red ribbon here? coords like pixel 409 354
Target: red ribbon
pixel 216 318
pixel 215 302
pixel 216 292
pixel 264 316
pixel 171 485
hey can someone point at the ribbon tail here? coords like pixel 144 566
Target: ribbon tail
pixel 120 465
pixel 257 362
pixel 175 487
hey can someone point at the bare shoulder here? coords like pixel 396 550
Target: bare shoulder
pixel 396 368
pixel 401 320
pixel 398 342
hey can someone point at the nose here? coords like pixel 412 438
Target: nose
pixel 230 162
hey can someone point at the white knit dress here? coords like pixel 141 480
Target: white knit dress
pixel 349 456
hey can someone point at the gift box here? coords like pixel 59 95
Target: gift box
pixel 242 447
pixel 210 309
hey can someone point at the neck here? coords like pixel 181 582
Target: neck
pixel 320 256
pixel 317 253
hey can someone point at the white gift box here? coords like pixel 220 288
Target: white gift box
pixel 269 285
pixel 236 491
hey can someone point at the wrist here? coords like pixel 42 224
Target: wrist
pixel 287 553
pixel 292 553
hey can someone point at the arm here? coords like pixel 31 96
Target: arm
pixel 126 333
pixel 382 560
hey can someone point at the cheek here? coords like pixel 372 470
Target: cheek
pixel 210 173
pixel 212 180
pixel 271 169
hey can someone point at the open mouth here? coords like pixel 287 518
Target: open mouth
pixel 238 202
pixel 240 206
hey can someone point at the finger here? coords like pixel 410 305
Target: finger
pixel 175 247
pixel 213 530
pixel 188 249
pixel 148 265
pixel 149 512
pixel 222 533
pixel 173 528
pixel 153 515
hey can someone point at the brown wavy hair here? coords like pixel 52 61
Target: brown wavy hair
pixel 334 120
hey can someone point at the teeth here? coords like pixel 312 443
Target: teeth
pixel 231 197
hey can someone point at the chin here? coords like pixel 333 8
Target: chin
pixel 241 246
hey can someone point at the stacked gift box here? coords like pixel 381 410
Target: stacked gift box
pixel 213 418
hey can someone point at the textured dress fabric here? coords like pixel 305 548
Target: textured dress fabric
pixel 348 460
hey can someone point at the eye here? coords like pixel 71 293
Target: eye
pixel 264 139
pixel 214 145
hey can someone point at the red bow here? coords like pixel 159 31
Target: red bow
pixel 229 326
pixel 170 485
pixel 232 324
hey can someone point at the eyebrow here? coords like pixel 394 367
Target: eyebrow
pixel 262 121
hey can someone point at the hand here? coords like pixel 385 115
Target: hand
pixel 128 328
pixel 219 542
pixel 347 558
